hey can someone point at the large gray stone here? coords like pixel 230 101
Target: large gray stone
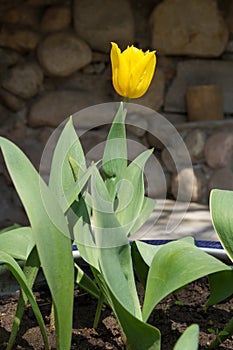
pixel 56 18
pixel 22 40
pixel 222 179
pixel 13 102
pixel 188 185
pixel 200 72
pixel 22 15
pixel 101 21
pixel 8 58
pixel 61 54
pixel 54 107
pixel 24 80
pixel 187 27
pixel 219 150
pixel 195 143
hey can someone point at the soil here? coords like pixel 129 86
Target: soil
pixel 171 316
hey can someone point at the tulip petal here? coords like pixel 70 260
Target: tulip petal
pixel 115 60
pixel 142 74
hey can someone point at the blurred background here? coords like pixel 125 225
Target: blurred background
pixel 54 61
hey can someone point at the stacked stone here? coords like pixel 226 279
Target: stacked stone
pixel 54 61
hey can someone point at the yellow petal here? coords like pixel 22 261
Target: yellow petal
pixel 115 61
pixel 142 74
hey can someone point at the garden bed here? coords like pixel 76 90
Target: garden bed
pixel 171 316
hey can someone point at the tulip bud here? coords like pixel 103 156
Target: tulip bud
pixel 132 70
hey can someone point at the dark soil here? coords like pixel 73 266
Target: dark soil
pixel 171 316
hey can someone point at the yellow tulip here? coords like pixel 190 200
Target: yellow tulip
pixel 132 70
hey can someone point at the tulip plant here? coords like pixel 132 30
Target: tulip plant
pixel 221 204
pixel 98 208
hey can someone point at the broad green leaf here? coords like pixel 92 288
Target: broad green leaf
pixel 61 177
pixel 115 152
pixel 130 193
pixel 221 209
pixel 51 234
pixel 175 265
pixel 117 270
pixel 141 268
pixel 20 277
pixel 18 242
pixel 31 269
pixel 107 229
pixel 147 251
pixel 189 339
pixel 221 286
pixel 147 208
pixel 83 234
pixel 10 228
pixel 86 283
pixel 115 261
pixel 139 335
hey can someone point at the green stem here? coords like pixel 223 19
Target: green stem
pixel 98 310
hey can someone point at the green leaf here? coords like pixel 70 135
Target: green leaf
pixel 61 178
pixel 51 234
pixel 221 286
pixel 84 281
pixel 117 270
pixel 143 255
pixel 175 265
pixel 147 208
pixel 130 193
pixel 108 230
pixel 114 256
pixel 147 251
pixel 83 234
pixel 221 206
pixel 115 152
pixel 141 268
pixel 20 277
pixel 17 242
pixel 189 339
pixel 139 335
pixel 30 270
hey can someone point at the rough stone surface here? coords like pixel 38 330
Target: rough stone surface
pixel 23 15
pixel 174 163
pixel 11 208
pixel 157 179
pixel 195 143
pixel 11 101
pixel 101 21
pixel 187 182
pixel 8 58
pixel 94 83
pixel 230 17
pixel 153 98
pixel 22 40
pixel 187 27
pixel 93 143
pixel 54 107
pixel 136 124
pixel 200 72
pixel 222 179
pixel 24 80
pixel 61 54
pixel 55 18
pixel 219 150
pixel 4 114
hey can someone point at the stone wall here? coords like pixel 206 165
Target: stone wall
pixel 54 61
